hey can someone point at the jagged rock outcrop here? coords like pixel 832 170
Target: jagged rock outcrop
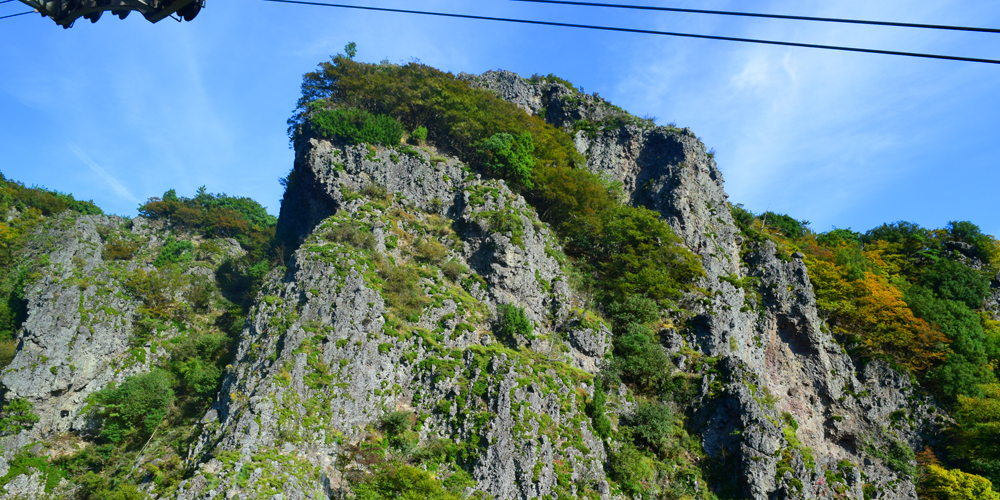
pixel 334 346
pixel 781 370
pixel 393 305
pixel 78 325
pixel 80 333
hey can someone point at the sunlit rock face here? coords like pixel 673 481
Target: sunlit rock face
pixel 403 264
pixel 780 367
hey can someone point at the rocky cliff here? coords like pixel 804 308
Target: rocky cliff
pixel 781 369
pixel 82 332
pixel 393 327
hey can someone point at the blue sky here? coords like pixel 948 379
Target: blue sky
pixel 119 111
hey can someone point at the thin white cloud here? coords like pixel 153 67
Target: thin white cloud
pixel 117 186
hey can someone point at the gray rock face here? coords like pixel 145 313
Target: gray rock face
pixel 330 350
pixel 77 334
pixel 26 486
pixel 403 258
pixel 80 331
pixel 326 175
pixel 554 101
pixel 781 370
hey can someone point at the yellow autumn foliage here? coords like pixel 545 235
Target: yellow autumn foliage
pixel 953 484
pixel 872 311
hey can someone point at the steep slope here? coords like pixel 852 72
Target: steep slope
pixel 386 307
pixel 781 370
pixel 426 333
pixel 107 299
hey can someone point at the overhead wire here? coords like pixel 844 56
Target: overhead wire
pixel 768 16
pixel 20 14
pixel 647 32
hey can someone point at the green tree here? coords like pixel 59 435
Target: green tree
pixel 944 484
pixel 743 218
pixel 955 281
pixel 197 363
pixel 654 426
pixel 968 367
pixel 397 481
pixel 634 309
pixel 509 156
pixel 907 239
pixel 174 252
pixel 596 410
pixel 987 248
pixel 17 415
pixel 633 470
pixel 975 440
pixel 135 408
pixel 838 237
pixel 418 135
pixel 513 323
pixel 785 224
pixel 640 360
pixel 357 126
pixel 638 254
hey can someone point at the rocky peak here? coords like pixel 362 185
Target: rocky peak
pixel 426 311
pixel 782 368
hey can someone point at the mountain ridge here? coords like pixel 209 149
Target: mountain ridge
pixel 422 327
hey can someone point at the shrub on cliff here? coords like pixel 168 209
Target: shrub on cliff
pixel 174 252
pixel 630 250
pixel 509 157
pixel 944 484
pixel 986 247
pixel 975 441
pixel 357 126
pixel 513 323
pixel 401 481
pixel 785 224
pixel 221 215
pixel 401 290
pixel 134 409
pixel 15 195
pixel 17 415
pixel 217 215
pixel 638 254
pixel 418 135
pixel 655 427
pixel 955 281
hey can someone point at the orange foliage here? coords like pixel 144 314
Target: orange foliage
pixel 887 326
pixel 875 256
pixel 890 258
pixel 873 313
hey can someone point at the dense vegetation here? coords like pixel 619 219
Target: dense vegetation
pixel 914 297
pixel 220 215
pixel 357 126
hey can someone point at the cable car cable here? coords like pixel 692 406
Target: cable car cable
pixel 770 16
pixel 15 15
pixel 650 32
